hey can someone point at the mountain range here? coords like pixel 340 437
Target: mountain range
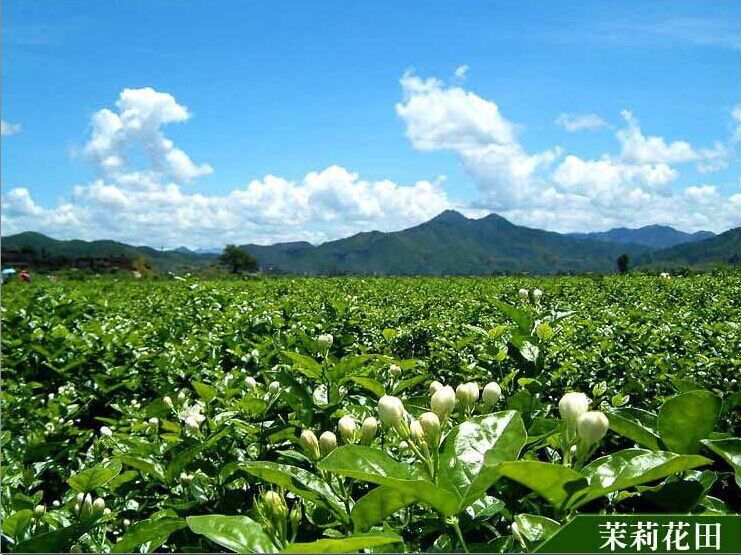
pixel 448 244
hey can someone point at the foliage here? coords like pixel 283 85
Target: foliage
pixel 237 259
pixel 178 407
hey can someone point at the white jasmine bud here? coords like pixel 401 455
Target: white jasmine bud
pixel 98 506
pixel 443 401
pixel 310 445
pixel 537 294
pixel 168 401
pixel 523 293
pixel 325 341
pixel 327 443
pixel 182 395
pixel 467 394
pixel 250 383
pixel 153 422
pixel 592 426
pixel 492 393
pixel 572 405
pixel 105 431
pixel 126 523
pixel 390 410
pixel 368 430
pixel 274 388
pixel 395 370
pixel 186 478
pixel 435 387
pixel 39 510
pixel 347 427
pixel 416 432
pixel 431 425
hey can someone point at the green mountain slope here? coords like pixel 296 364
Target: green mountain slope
pixel 721 249
pixel 448 244
pixel 654 236
pixel 40 250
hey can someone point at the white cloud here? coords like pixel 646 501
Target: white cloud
pixel 637 148
pixel 141 113
pixel 460 71
pixel 449 118
pixel 634 187
pixel 574 123
pixel 7 128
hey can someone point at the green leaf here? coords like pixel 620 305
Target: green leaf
pixel 205 392
pixel 635 424
pixel 370 384
pixel 183 458
pixel 306 365
pixel 56 541
pixel 729 449
pixel 472 450
pixel 524 321
pixel 95 477
pixel 379 503
pixel 299 481
pixel 375 466
pixel 15 524
pixel 153 532
pixel 532 530
pixel 686 419
pixel 631 467
pixel 241 534
pixel 553 482
pixel 349 544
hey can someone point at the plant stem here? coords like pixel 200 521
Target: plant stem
pixel 454 523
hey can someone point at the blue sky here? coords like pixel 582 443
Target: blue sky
pixel 296 89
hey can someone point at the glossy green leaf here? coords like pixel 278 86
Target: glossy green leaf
pixel 17 523
pixel 152 532
pixel 374 386
pixel 635 424
pixel 729 449
pixel 299 481
pixel 686 419
pixel 379 503
pixel 631 467
pixel 306 365
pixel 349 544
pixel 523 320
pixel 95 477
pixel 532 530
pixel 376 466
pixel 471 451
pixel 56 541
pixel 241 534
pixel 554 482
pixel 205 392
pixel 183 458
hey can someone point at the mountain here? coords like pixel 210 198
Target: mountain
pixel 654 236
pixel 719 249
pixel 38 250
pixel 448 244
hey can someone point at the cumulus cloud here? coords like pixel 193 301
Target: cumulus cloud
pixel 460 71
pixel 323 205
pixel 140 115
pixel 574 123
pixel 7 128
pixel 450 118
pixel 632 187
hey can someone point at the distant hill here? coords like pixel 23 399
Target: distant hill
pixel 38 250
pixel 448 244
pixel 720 249
pixel 654 236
